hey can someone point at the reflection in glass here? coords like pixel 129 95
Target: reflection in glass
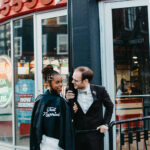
pixel 5 85
pixel 55 46
pixel 24 77
pixel 132 65
pixel 131 50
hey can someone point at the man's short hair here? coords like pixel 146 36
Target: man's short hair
pixel 86 72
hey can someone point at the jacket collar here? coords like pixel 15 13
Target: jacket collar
pixel 48 96
pixel 94 92
pixel 52 92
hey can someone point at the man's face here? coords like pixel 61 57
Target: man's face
pixel 77 80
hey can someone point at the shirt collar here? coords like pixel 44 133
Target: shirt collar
pixel 87 90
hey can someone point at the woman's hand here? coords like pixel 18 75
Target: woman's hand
pixel 69 95
pixel 75 107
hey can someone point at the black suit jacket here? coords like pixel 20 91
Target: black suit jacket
pixel 94 116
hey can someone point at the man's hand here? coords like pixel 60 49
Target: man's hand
pixel 102 128
pixel 69 95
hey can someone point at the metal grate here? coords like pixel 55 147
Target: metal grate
pixel 129 132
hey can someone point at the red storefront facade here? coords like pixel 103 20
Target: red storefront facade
pixel 33 33
pixel 14 8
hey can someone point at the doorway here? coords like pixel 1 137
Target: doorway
pixel 125 56
pixel 51 46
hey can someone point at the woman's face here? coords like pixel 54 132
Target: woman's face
pixel 56 84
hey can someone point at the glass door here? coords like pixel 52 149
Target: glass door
pixel 52 46
pixel 126 54
pixel 24 78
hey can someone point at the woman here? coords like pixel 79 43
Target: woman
pixel 51 126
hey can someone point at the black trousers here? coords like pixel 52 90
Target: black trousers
pixel 89 141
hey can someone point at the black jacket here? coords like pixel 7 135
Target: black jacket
pixel 85 124
pixel 66 138
pixel 94 116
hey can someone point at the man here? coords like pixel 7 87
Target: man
pixel 89 121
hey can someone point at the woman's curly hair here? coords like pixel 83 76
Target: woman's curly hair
pixel 48 73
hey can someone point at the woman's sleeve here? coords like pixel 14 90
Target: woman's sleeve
pixel 33 140
pixel 66 128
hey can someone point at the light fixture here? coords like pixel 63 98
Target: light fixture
pixel 134 57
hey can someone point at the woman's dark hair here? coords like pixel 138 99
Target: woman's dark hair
pixel 86 72
pixel 49 73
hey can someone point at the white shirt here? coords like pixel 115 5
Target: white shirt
pixel 85 98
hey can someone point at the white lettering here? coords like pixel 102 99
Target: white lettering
pixel 3 90
pixel 25 105
pixel 51 109
pixel 26 99
pixel 51 114
pixel 3 99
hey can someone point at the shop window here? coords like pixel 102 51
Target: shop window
pixel 24 77
pixel 55 46
pixel 18 46
pixel 129 18
pixel 18 24
pixel 62 20
pixel 131 65
pixel 132 62
pixel 44 43
pixel 62 44
pixel 131 51
pixel 5 85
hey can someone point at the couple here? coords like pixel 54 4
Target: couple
pixel 51 124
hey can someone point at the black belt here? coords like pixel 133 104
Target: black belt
pixel 86 131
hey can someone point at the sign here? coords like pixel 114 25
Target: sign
pixel 25 101
pixel 11 8
pixel 25 89
pixel 5 81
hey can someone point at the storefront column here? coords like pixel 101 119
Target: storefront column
pixel 85 35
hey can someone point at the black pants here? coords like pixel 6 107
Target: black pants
pixel 89 141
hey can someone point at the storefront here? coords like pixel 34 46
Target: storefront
pixel 125 57
pixel 33 33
